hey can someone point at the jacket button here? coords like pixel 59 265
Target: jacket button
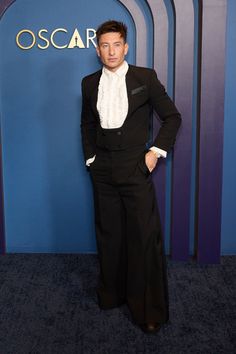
pixel 118 133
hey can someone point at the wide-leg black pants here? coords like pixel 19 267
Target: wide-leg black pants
pixel 129 240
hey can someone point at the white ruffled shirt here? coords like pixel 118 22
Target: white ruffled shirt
pixel 112 102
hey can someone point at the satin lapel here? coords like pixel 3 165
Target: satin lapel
pixel 94 94
pixel 131 83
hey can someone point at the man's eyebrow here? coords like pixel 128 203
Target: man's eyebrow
pixel 111 43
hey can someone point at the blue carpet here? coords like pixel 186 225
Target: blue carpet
pixel 48 305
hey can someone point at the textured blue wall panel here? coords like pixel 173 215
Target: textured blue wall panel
pixel 228 239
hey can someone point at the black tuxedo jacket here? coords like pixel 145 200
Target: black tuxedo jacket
pixel 145 93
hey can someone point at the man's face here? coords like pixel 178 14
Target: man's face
pixel 112 50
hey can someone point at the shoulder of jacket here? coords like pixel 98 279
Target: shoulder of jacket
pixel 142 74
pixel 141 70
pixel 92 76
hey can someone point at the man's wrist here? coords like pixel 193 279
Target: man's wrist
pixel 159 152
pixel 154 153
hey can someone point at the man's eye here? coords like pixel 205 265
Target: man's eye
pixel 104 46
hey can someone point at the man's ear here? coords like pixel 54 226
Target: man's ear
pixel 126 48
pixel 97 50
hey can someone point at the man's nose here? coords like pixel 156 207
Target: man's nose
pixel 111 51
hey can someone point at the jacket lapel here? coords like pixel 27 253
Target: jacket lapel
pixel 134 89
pixel 94 90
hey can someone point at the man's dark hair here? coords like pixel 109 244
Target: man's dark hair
pixel 112 26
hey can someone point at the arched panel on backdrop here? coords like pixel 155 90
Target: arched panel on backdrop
pixel 211 123
pixel 184 19
pixel 141 31
pixel 4 4
pixel 178 38
pixel 160 64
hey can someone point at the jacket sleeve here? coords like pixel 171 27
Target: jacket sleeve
pixel 88 124
pixel 167 112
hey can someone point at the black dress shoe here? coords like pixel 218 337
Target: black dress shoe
pixel 150 327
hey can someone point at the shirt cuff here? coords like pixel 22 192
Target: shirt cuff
pixel 89 161
pixel 158 152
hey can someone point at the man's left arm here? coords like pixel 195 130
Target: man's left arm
pixel 167 112
pixel 170 121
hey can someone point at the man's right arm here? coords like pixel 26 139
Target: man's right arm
pixel 88 124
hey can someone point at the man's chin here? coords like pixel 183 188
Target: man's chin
pixel 113 66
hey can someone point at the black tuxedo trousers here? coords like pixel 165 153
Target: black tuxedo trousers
pixel 129 238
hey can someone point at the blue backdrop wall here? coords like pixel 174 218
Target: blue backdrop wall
pixel 47 194
pixel 47 191
pixel 228 240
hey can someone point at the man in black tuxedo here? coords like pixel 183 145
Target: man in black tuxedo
pixel 115 124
